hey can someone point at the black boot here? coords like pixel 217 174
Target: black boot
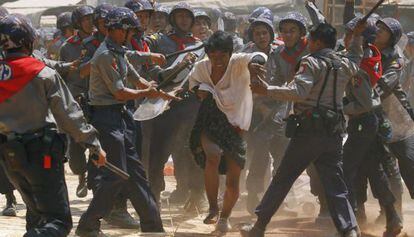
pixel 252 231
pixel 394 223
pixel 82 189
pixel 10 209
pixel 120 217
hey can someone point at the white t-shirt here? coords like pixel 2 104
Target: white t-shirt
pixel 232 92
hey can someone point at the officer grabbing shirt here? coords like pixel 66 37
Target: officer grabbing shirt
pixel 33 155
pixel 315 129
pixel 108 96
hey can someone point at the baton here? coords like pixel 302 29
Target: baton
pixel 184 51
pixel 111 167
pixel 365 18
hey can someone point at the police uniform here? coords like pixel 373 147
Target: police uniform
pixel 72 50
pixel 117 132
pixel 321 144
pixel 362 105
pixel 266 133
pixel 179 119
pixel 396 106
pixel 37 169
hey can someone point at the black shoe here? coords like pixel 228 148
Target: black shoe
pixel 89 233
pixel 82 189
pixel 252 202
pixel 251 231
pixel 10 209
pixel 394 223
pixel 178 196
pixel 122 219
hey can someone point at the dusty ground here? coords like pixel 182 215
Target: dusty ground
pixel 179 223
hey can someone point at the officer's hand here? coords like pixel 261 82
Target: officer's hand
pixel 190 58
pixel 101 159
pixel 152 93
pixel 157 58
pixel 256 70
pixel 74 65
pixel 259 87
pixel 360 28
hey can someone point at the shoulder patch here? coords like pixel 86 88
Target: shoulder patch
pixel 302 67
pixel 114 64
pixel 5 71
pixel 397 64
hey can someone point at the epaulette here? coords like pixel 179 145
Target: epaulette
pixel 397 64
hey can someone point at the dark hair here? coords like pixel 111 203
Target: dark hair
pixel 326 33
pixel 221 41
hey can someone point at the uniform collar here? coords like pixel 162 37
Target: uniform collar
pixel 15 55
pixel 324 52
pixel 180 34
pixel 389 52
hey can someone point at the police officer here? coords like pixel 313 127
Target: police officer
pixel 143 9
pixel 394 99
pixel 64 25
pixel 33 155
pixel 6 187
pixel 159 19
pixel 91 43
pixel 362 106
pixel 230 26
pixel 165 138
pixel 316 126
pixel 264 128
pixel 119 215
pixel 108 95
pixel 82 20
pixel 202 24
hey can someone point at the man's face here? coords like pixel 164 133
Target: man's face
pixel 314 45
pixel 159 21
pixel 261 36
pixel 219 59
pixel 86 24
pixel 183 20
pixel 383 36
pixel 201 28
pixel 144 18
pixel 101 26
pixel 118 35
pixel 290 33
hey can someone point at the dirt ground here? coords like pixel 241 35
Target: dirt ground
pixel 177 222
